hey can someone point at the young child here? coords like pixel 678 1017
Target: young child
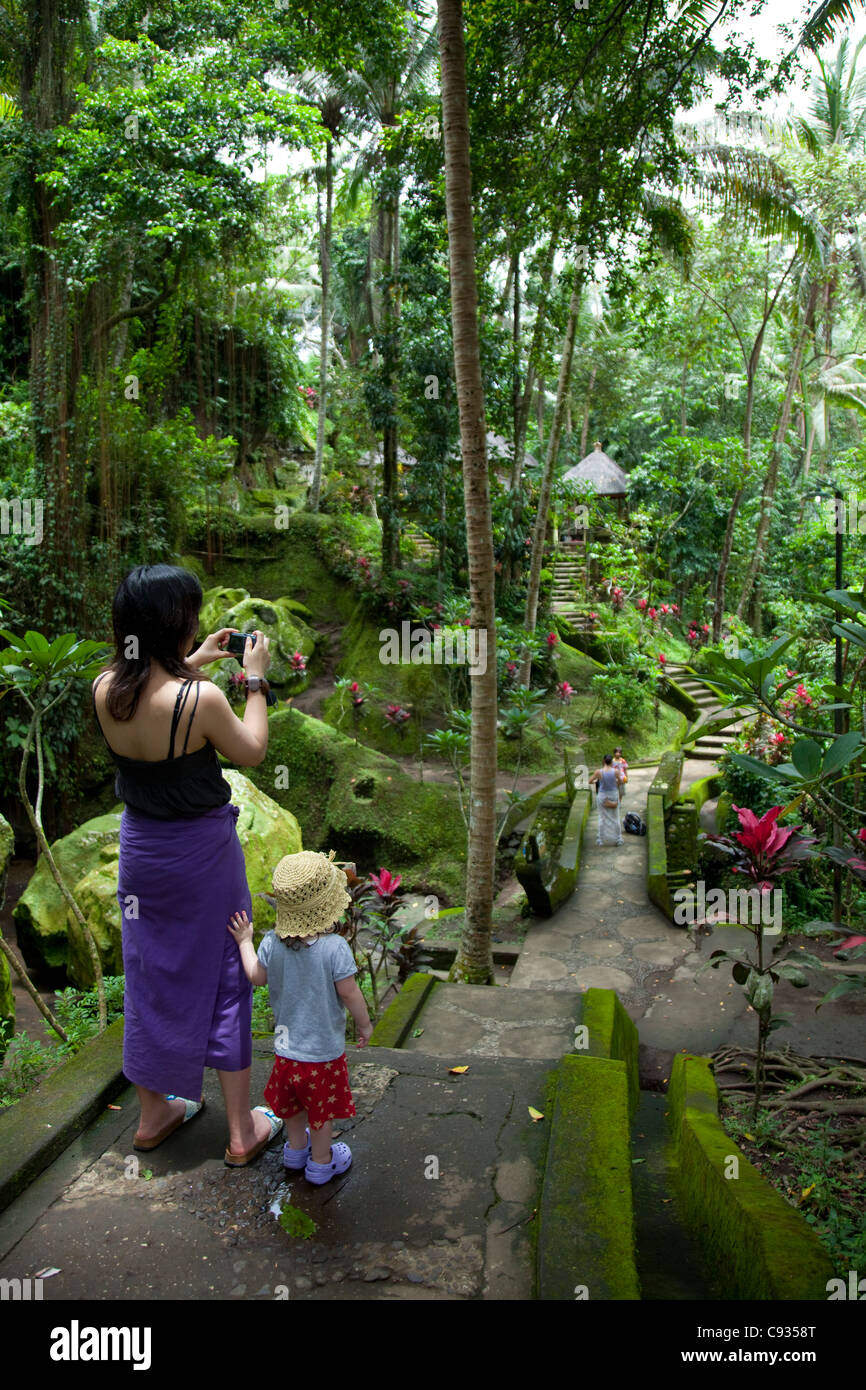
pixel 620 763
pixel 310 977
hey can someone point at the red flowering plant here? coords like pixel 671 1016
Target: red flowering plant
pixel 353 695
pixel 373 934
pixel 762 851
pixel 396 717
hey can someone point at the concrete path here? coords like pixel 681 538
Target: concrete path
pixel 610 936
pixel 437 1205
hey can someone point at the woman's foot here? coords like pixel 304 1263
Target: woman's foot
pixel 266 1126
pixel 160 1119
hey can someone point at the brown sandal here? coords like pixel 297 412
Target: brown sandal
pixel 193 1108
pixel 241 1160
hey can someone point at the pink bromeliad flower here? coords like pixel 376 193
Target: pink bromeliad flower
pixel 552 639
pixel 386 883
pixel 641 603
pixel 564 691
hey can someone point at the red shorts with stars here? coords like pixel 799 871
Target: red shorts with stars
pixel 320 1088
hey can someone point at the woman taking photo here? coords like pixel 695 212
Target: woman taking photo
pixel 187 1003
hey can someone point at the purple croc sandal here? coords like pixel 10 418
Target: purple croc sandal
pixel 341 1160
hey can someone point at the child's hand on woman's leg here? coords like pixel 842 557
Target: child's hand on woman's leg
pixel 241 928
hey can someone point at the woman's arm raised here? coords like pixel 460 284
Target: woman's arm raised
pixel 243 741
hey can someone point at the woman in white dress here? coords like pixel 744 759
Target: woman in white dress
pixel 608 780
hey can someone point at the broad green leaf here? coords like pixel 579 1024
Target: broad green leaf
pixel 772 774
pixel 850 985
pixel 852 632
pixel 841 751
pixel 806 757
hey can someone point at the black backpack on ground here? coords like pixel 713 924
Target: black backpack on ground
pixel 633 825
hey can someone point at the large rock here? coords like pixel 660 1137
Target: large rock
pixel 362 804
pixel 40 913
pixel 7 1001
pixel 266 831
pixel 281 620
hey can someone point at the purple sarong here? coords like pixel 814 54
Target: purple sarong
pixel 188 1003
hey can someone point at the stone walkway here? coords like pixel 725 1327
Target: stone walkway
pixel 610 936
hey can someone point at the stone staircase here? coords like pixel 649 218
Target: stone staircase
pixel 426 549
pixel 711 745
pixel 567 595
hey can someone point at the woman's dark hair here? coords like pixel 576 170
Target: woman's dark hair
pixel 155 612
pixel 608 759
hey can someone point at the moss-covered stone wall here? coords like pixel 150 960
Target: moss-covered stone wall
pixel 758 1246
pixel 586 1235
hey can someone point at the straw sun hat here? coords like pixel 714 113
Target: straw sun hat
pixel 310 892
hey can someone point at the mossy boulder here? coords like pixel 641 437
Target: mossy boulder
pixel 88 859
pixel 267 831
pixel 40 913
pixel 96 895
pixel 362 804
pixel 7 1002
pixel 280 621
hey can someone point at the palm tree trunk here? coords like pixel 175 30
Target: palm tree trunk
pixel 325 266
pixel 474 962
pixel 522 419
pixel 584 429
pixel 541 516
pixel 772 477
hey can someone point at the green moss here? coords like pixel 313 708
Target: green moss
pixel 612 1034
pixel 285 629
pixel 400 1015
pixel 666 782
pixel 760 1246
pixel 293 570
pixel 421 689
pixel 658 888
pixel 703 790
pixel 44 1123
pixel 586 1218
pixel 361 803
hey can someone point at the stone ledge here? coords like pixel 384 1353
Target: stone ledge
pixel 393 1027
pixel 586 1228
pixel 760 1247
pixel 38 1128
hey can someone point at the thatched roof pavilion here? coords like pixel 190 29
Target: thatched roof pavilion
pixel 601 471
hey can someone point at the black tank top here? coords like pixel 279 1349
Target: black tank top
pixel 173 788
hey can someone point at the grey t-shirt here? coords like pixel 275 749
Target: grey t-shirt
pixel 309 1015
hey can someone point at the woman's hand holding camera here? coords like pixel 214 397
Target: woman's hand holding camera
pixel 213 648
pixel 257 656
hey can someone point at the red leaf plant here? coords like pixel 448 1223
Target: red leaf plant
pixel 762 849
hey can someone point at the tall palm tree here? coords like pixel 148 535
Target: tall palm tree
pixel 474 960
pixel 386 85
pixel 836 121
pixel 326 94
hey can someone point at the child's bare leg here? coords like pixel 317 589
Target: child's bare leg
pixel 296 1129
pixel 321 1142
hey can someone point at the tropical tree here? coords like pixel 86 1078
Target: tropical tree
pixel 474 963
